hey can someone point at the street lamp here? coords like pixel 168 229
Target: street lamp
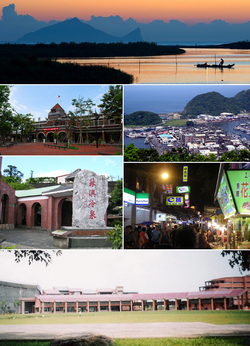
pixel 96 121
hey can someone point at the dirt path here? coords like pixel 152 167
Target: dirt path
pixel 122 330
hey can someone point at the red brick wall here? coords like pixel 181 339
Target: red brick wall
pixel 7 193
pixel 51 212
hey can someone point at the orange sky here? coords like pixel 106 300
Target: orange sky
pixel 188 11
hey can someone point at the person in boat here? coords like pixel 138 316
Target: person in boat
pixel 221 62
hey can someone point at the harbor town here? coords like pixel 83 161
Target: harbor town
pixel 204 137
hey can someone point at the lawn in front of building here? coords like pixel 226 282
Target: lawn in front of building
pixel 213 317
pixel 203 341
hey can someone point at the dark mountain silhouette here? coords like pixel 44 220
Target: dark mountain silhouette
pixel 174 31
pixel 134 36
pixel 74 30
pixel 13 26
pixel 213 103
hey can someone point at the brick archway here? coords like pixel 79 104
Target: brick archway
pixel 64 213
pixel 22 214
pixel 50 136
pixel 4 209
pixel 36 215
pixel 40 136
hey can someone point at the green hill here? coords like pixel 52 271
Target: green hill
pixel 142 118
pixel 213 103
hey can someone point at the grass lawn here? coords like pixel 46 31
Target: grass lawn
pixel 177 122
pixel 220 341
pixel 214 317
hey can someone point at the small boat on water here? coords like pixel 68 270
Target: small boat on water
pixel 215 66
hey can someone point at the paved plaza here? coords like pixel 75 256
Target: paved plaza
pixel 40 149
pixel 122 330
pixel 25 238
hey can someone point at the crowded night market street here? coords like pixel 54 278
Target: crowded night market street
pixel 186 206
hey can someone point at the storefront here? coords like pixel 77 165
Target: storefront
pixel 233 195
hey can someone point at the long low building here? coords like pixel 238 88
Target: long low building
pixel 67 300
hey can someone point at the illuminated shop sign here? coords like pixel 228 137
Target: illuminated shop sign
pixel 161 217
pixel 186 200
pixel 225 198
pixel 142 199
pixel 182 189
pixel 129 196
pixel 185 174
pixel 174 200
pixel 168 189
pixel 240 186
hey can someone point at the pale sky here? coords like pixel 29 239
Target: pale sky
pixel 52 166
pixel 140 271
pixel 39 99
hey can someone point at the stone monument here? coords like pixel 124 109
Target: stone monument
pixel 90 200
pixel 90 203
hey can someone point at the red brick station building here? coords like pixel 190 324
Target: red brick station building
pixel 58 123
pixel 48 207
pixel 234 295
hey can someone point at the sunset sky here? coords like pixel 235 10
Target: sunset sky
pixel 188 11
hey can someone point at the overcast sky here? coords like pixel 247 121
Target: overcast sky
pixel 142 271
pixel 52 166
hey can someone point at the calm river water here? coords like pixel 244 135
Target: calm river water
pixel 181 68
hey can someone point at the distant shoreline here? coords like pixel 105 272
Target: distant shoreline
pixel 199 122
pixel 87 50
pixel 233 45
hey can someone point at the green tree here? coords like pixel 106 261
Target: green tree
pixel 131 153
pixel 13 172
pixel 243 155
pixel 81 107
pixel 40 180
pixel 6 117
pixel 190 123
pixel 17 185
pixel 111 104
pixel 143 118
pixel 240 258
pixel 16 304
pixel 24 124
pixel 35 255
pixel 115 236
pixel 116 196
pixel 4 306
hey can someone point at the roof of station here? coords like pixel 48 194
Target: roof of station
pixel 35 192
pixel 145 296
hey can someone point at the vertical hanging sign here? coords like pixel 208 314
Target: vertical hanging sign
pixel 185 174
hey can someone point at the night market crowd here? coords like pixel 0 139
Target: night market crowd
pixel 172 237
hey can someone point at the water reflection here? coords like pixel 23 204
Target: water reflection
pixel 181 68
